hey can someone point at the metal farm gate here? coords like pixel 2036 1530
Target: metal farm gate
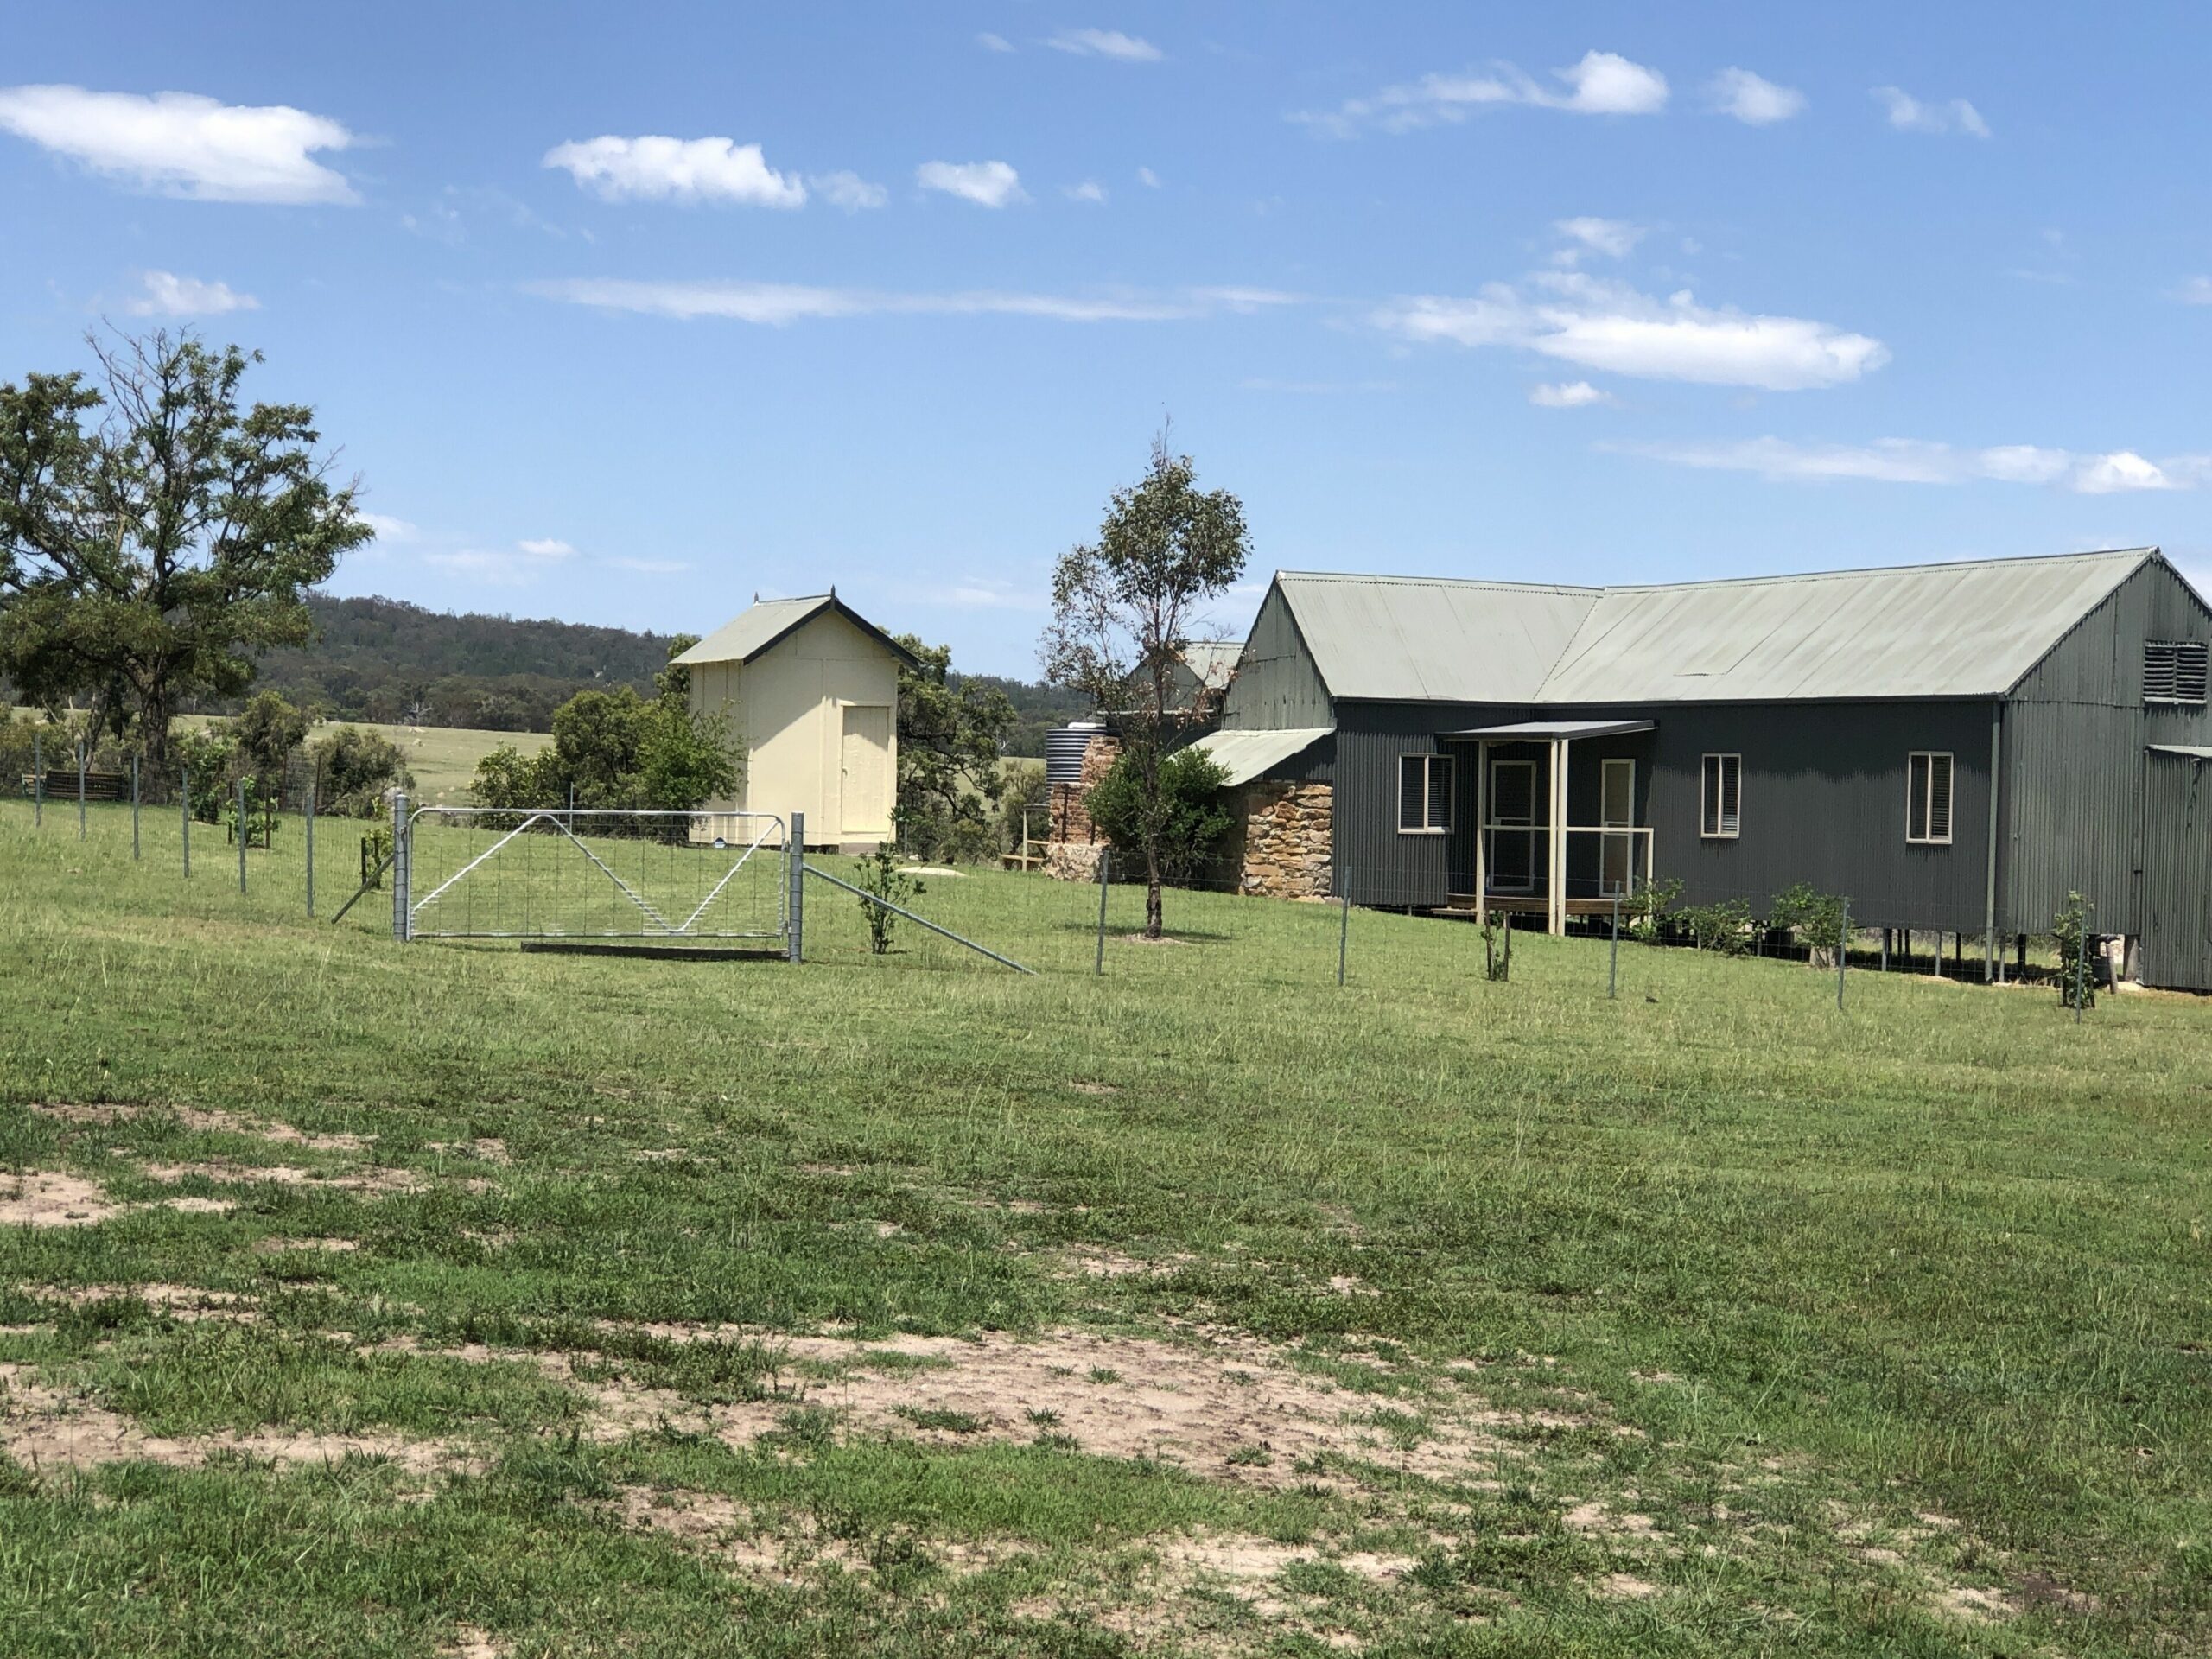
pixel 553 873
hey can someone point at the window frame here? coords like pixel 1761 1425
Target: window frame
pixel 2173 697
pixel 1716 827
pixel 1924 838
pixel 1430 758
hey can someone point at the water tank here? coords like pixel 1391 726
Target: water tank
pixel 1063 747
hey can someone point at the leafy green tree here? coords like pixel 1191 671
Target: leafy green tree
pixel 1180 809
pixel 355 768
pixel 951 733
pixel 157 532
pixel 1125 609
pixel 268 731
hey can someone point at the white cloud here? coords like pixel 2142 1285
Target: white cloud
pixel 1571 394
pixel 649 567
pixel 1603 83
pixel 1105 43
pixel 2197 291
pixel 775 304
pixel 988 184
pixel 1753 99
pixel 1909 114
pixel 164 293
pixel 388 529
pixel 656 168
pixel 991 43
pixel 494 567
pixel 183 144
pixel 1088 190
pixel 1910 461
pixel 850 191
pixel 1611 326
pixel 1613 237
pixel 547 549
pixel 1147 178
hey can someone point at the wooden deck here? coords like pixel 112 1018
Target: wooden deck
pixel 1523 904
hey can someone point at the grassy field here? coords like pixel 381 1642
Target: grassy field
pixel 444 1300
pixel 442 758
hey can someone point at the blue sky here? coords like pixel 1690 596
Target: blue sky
pixel 623 314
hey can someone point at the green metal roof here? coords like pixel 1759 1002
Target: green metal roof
pixel 767 621
pixel 1245 756
pixel 1966 630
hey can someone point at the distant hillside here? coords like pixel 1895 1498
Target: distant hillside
pixel 384 659
pixel 388 661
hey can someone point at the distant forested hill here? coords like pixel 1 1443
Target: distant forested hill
pixel 384 659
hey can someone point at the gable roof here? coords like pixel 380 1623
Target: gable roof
pixel 1212 662
pixel 1966 630
pixel 752 631
pixel 1415 640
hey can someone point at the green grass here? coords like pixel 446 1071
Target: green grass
pixel 1785 1281
pixel 442 758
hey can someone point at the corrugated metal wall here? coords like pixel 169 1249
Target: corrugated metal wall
pixel 2075 733
pixel 2176 890
pixel 1276 683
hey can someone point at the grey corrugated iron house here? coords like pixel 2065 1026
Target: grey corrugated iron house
pixel 1953 747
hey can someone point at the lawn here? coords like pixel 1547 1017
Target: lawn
pixel 444 1299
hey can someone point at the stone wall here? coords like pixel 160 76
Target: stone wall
pixel 1072 849
pixel 1284 845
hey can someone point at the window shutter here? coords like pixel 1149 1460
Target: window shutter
pixel 2158 671
pixel 2190 676
pixel 1412 784
pixel 1939 797
pixel 1915 802
pixel 1732 794
pixel 1439 793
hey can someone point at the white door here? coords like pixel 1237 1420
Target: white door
pixel 1512 846
pixel 864 773
pixel 1616 811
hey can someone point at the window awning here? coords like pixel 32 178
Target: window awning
pixel 1545 731
pixel 1244 755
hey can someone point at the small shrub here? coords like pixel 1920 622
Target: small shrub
pixel 1646 912
pixel 882 876
pixel 1497 964
pixel 2069 930
pixel 1720 927
pixel 1815 918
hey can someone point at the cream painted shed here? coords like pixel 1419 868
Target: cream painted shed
pixel 812 686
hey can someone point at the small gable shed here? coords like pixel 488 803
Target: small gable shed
pixel 812 687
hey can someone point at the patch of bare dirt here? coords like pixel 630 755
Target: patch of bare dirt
pixel 1140 938
pixel 1598 1521
pixel 226 1173
pixel 197 1206
pixel 50 1199
pixel 1626 1586
pixel 472 1641
pixel 488 1149
pixel 1112 1264
pixel 278 1246
pixel 186 1303
pixel 42 1427
pixel 204 1119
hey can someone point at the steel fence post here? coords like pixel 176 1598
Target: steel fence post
pixel 1344 931
pixel 38 780
pixel 184 810
pixel 134 808
pixel 311 794
pixel 795 944
pixel 238 805
pixel 1613 958
pixel 82 758
pixel 1105 875
pixel 1842 946
pixel 401 833
pixel 2081 963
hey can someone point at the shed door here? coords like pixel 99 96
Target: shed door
pixel 2177 872
pixel 864 773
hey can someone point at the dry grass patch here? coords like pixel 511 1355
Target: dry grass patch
pixel 49 1198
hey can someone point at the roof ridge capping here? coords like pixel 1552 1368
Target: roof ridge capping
pixel 2135 554
pixel 1439 582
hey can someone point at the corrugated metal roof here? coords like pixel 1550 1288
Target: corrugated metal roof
pixel 1212 660
pixel 2187 751
pixel 1538 730
pixel 1411 639
pixel 767 620
pixel 1968 630
pixel 1245 756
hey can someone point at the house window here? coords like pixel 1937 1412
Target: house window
pixel 1722 790
pixel 1424 794
pixel 2175 670
pixel 1928 801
